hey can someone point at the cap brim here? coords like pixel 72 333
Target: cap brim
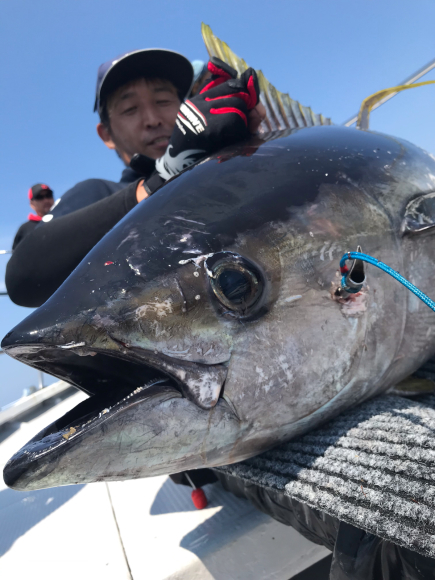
pixel 152 63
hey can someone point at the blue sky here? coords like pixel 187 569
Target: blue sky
pixel 326 54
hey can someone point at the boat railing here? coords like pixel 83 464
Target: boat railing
pixel 28 403
pixel 3 253
pixel 32 396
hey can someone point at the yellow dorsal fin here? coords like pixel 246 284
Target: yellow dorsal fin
pixel 282 111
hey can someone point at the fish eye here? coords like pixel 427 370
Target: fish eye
pixel 235 283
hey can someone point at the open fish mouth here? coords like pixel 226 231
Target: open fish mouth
pixel 120 373
pixel 141 378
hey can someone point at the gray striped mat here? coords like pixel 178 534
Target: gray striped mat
pixel 372 467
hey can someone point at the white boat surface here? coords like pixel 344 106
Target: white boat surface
pixel 145 529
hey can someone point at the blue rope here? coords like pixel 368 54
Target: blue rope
pixel 388 270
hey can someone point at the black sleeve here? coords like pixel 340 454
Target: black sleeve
pixel 18 236
pixel 48 255
pixel 24 231
pixel 84 194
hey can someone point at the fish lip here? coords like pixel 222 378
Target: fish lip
pixel 154 358
pixel 176 368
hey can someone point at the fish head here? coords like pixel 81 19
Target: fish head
pixel 205 326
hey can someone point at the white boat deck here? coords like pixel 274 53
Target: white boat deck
pixel 146 529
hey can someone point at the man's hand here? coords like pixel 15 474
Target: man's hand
pixel 256 117
pixel 223 113
pixel 141 193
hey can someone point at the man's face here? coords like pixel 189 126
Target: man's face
pixel 142 117
pixel 42 203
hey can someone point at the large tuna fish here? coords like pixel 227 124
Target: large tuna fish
pixel 207 325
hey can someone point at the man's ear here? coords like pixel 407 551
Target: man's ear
pixel 105 136
pixel 32 205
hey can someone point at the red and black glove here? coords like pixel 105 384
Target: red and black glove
pixel 213 119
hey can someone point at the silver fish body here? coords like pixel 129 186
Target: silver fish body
pixel 207 326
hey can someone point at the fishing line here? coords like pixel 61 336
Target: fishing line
pixel 374 262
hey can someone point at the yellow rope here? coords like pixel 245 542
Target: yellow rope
pixel 368 103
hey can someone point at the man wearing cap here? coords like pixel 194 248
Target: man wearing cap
pixel 138 98
pixel 41 201
pixel 138 95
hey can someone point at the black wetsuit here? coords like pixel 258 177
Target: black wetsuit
pixel 83 215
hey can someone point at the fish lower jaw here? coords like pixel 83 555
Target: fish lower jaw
pixel 110 406
pixel 87 416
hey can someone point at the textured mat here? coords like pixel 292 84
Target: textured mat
pixel 373 467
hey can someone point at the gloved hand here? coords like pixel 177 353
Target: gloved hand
pixel 213 119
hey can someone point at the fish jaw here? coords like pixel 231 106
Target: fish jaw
pixel 151 432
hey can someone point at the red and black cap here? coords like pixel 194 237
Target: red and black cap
pixel 150 62
pixel 39 189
